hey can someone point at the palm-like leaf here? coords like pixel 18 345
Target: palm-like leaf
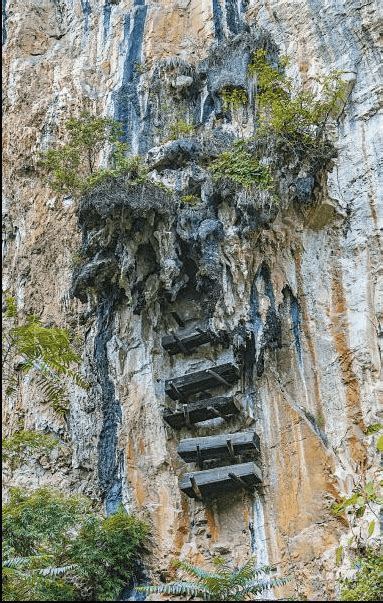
pixel 221 585
pixel 48 352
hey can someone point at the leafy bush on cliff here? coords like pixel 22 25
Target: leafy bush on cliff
pixel 24 442
pixel 241 167
pixel 223 584
pixel 367 585
pixel 180 128
pixel 298 116
pixel 71 167
pixel 48 351
pixel 57 548
pixel 233 97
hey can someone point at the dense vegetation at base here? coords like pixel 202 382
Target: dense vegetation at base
pixel 57 548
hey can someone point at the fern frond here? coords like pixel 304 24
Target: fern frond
pixel 259 586
pixel 53 391
pixel 176 588
pixel 55 571
pixel 197 572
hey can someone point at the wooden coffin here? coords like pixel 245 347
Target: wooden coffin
pixel 185 340
pixel 202 410
pixel 181 387
pixel 209 483
pixel 193 450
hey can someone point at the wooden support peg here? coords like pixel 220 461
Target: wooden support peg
pixel 217 413
pixel 178 319
pixel 199 458
pixel 230 448
pixel 196 490
pixel 180 395
pixel 179 343
pixel 186 415
pixel 218 377
pixel 241 482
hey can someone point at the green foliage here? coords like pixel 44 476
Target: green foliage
pixel 373 428
pixel 362 497
pixel 367 585
pixel 38 523
pixel 180 129
pixel 57 548
pixel 190 199
pixel 241 167
pixel 71 167
pixel 46 350
pixel 283 110
pixel 33 579
pixel 105 551
pixel 22 443
pixel 339 555
pixel 233 97
pixel 221 585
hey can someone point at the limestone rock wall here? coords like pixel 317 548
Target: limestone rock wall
pixel 315 269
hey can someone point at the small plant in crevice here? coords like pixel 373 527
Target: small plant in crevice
pixel 363 549
pixel 180 128
pixel 233 97
pixel 299 117
pixel 367 584
pixel 71 167
pixel 221 584
pixel 190 199
pixel 58 548
pixel 21 444
pixel 45 352
pixel 240 166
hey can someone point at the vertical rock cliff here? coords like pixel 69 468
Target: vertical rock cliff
pixel 291 294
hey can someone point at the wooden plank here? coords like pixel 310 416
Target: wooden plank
pixel 202 410
pixel 215 481
pixel 200 380
pixel 185 340
pixel 216 447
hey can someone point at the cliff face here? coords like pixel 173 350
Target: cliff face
pixel 290 294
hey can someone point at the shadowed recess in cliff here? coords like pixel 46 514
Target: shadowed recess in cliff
pixel 295 316
pixel 86 9
pixel 4 19
pixel 265 326
pixel 126 99
pixel 109 470
pixel 234 19
pixel 217 19
pixel 106 11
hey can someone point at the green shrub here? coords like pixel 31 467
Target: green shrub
pixel 71 167
pixel 41 521
pixel 57 548
pixel 367 585
pixel 240 166
pixel 46 350
pixel 22 443
pixel 233 97
pixel 105 552
pixel 180 129
pixel 223 584
pixel 284 110
pixel 190 199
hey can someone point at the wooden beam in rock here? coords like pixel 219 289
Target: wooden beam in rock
pixel 219 446
pixel 214 482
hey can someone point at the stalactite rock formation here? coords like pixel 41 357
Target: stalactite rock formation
pixel 293 294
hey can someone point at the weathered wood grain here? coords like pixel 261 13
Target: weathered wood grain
pixel 213 482
pixel 218 446
pixel 181 387
pixel 202 410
